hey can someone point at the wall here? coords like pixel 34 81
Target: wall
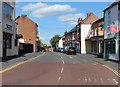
pixel 1 30
pixel 114 18
pixel 84 32
pixel 14 49
pixel 60 44
pixel 27 28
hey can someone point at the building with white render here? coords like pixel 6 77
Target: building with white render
pixel 8 30
pixel 111 34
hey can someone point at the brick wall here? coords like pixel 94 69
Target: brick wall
pixel 28 29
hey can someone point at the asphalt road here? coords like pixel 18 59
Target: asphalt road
pixel 59 69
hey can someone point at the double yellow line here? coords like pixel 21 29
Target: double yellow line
pixel 11 67
pixel 114 71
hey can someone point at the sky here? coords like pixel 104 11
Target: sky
pixel 54 18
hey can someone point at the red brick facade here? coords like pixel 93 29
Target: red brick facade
pixel 28 29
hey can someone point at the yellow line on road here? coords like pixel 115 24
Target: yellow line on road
pixel 114 71
pixel 11 67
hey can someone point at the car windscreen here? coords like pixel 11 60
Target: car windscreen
pixel 71 47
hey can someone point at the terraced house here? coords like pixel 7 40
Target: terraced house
pixel 76 37
pixel 112 28
pixel 8 30
pixel 95 38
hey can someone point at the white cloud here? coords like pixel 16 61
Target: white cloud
pixel 32 7
pixel 70 18
pixel 40 10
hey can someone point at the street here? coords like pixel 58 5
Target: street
pixel 54 68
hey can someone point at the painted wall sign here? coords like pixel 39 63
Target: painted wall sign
pixel 7 26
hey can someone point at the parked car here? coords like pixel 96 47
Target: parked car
pixel 61 50
pixel 58 49
pixel 70 50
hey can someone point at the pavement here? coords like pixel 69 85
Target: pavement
pixel 16 60
pixel 53 68
pixel 113 64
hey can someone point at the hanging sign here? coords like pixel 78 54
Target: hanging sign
pixel 100 32
pixel 114 28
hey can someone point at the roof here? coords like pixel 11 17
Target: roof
pixel 96 23
pixel 114 3
pixel 27 17
pixel 90 18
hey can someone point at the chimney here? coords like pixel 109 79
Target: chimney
pixel 80 20
pixel 24 16
pixel 89 13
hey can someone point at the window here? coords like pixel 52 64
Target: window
pixel 7 12
pixel 112 47
pixel 109 14
pixel 16 42
pixel 8 41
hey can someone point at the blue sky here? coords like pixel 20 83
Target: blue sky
pixel 54 18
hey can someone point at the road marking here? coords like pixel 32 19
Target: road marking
pixel 101 80
pixel 71 57
pixel 114 71
pixel 115 81
pixel 63 62
pixel 20 63
pixel 58 80
pixel 61 57
pixel 86 79
pixel 95 79
pixel 89 79
pixel 62 69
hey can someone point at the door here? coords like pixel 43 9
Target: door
pixel 106 50
pixel 4 45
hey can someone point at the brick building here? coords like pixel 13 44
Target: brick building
pixel 28 29
pixel 76 36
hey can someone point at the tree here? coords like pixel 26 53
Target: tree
pixel 54 40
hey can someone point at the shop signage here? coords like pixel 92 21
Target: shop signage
pixel 7 26
pixel 114 28
pixel 100 32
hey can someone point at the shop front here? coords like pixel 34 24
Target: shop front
pixel 7 42
pixel 111 51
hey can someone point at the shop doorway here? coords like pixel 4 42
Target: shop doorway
pixel 7 39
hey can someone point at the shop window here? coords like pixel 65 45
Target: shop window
pixel 112 47
pixel 7 12
pixel 9 41
pixel 16 42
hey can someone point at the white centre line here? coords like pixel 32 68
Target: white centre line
pixel 61 57
pixel 63 61
pixel 62 69
pixel 59 78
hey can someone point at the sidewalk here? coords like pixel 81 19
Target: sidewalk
pixel 109 63
pixel 19 59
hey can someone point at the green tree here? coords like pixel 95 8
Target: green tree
pixel 54 40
